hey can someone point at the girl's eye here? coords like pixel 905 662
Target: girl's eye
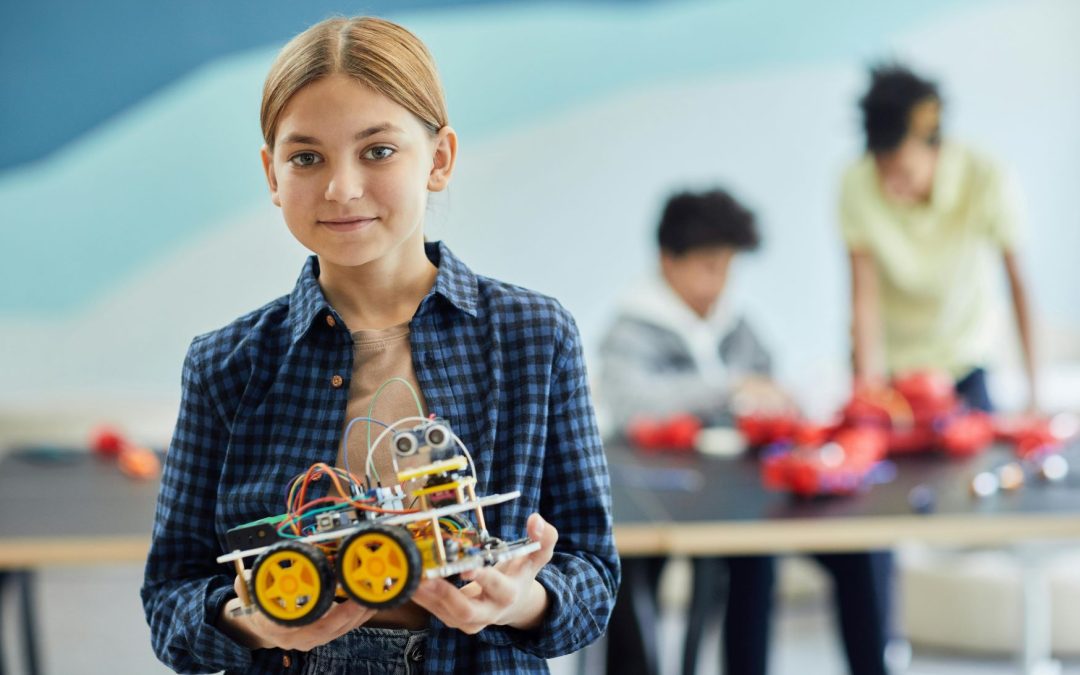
pixel 379 152
pixel 305 159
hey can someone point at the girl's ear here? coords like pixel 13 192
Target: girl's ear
pixel 271 178
pixel 442 161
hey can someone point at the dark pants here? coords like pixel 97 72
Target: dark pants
pixel 861 593
pixel 631 632
pixel 972 390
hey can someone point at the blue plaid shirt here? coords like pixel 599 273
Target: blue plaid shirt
pixel 260 405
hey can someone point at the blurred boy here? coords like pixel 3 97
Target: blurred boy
pixel 675 347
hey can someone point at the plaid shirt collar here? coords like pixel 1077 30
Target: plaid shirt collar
pixel 455 282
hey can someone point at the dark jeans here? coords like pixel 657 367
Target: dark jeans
pixel 361 651
pixel 862 595
pixel 972 390
pixel 861 592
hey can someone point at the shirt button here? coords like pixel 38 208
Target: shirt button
pixel 336 381
pixel 286 661
pixel 330 320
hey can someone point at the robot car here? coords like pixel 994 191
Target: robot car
pixel 370 543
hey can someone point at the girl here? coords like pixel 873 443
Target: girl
pixel 356 135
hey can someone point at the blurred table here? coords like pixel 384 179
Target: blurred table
pixel 71 507
pixel 694 505
pixel 65 507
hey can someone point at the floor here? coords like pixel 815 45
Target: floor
pixel 91 623
pixel 805 644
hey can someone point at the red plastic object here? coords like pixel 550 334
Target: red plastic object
pixel 133 460
pixel 836 467
pixel 1032 437
pixel 106 440
pixel 762 430
pixel 967 434
pixel 673 433
pixel 138 462
pixel 927 391
pixel 920 413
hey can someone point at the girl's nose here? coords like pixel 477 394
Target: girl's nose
pixel 345 185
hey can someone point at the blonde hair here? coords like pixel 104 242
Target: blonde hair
pixel 376 52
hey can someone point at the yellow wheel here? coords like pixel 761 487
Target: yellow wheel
pixel 294 584
pixel 380 566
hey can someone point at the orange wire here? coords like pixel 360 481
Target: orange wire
pixel 312 474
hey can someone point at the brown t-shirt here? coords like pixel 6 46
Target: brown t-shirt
pixel 380 355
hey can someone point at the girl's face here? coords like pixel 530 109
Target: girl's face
pixel 351 170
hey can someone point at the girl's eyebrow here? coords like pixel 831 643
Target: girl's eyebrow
pixel 378 128
pixel 301 139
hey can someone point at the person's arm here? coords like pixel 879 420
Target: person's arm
pixel 637 377
pixel 187 596
pixel 752 390
pixel 1022 313
pixel 184 590
pixel 867 348
pixel 583 574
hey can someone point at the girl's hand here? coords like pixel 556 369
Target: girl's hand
pixel 256 631
pixel 507 594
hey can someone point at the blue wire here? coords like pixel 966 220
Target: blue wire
pixel 345 438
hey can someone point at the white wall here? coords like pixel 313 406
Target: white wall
pixel 566 201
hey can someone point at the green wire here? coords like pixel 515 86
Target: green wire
pixel 298 521
pixel 371 410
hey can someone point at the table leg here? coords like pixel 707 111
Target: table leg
pixel 29 623
pixel 23 580
pixel 4 578
pixel 1035 648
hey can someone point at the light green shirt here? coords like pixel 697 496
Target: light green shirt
pixel 939 301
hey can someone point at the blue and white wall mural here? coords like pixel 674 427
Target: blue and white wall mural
pixel 133 212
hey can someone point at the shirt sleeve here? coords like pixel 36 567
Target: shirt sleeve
pixel 583 575
pixel 640 375
pixel 1003 207
pixel 183 588
pixel 744 352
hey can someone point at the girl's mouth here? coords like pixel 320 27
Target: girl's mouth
pixel 347 224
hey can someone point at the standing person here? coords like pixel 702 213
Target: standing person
pixel 925 220
pixel 675 346
pixel 356 136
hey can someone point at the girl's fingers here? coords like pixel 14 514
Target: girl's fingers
pixel 544 532
pixel 452 606
pixel 472 590
pixel 498 588
pixel 340 618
